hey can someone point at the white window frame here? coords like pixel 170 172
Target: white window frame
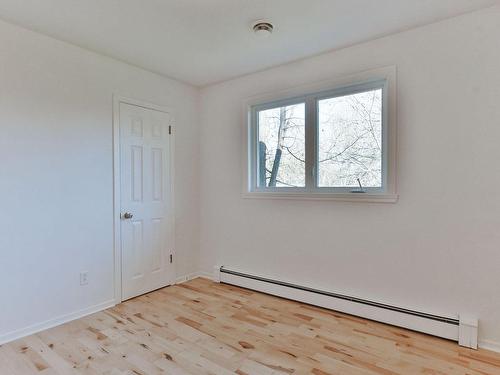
pixel 384 78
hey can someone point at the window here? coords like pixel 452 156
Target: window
pixel 333 143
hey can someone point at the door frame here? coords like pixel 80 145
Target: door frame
pixel 117 248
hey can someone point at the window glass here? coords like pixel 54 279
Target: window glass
pixel 281 146
pixel 350 140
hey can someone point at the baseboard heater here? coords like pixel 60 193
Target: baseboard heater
pixel 462 329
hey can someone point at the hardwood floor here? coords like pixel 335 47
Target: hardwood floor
pixel 202 327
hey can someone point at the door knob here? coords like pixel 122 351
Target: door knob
pixel 127 215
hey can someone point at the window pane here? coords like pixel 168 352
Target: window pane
pixel 281 148
pixel 350 140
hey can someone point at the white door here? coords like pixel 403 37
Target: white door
pixel 146 200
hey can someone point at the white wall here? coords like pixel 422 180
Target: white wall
pixel 56 174
pixel 437 249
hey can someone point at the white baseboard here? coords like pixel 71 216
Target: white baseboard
pixel 416 323
pixel 194 275
pixel 206 275
pixel 184 278
pixel 407 321
pixel 489 345
pixel 38 327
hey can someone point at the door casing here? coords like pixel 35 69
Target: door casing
pixel 117 249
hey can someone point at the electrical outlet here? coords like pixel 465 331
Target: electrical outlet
pixel 84 278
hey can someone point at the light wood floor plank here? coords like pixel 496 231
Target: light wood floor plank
pixel 201 327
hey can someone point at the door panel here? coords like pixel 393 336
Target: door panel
pixel 146 194
pixel 137 165
pixel 137 249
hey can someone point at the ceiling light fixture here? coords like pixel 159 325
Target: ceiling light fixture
pixel 263 28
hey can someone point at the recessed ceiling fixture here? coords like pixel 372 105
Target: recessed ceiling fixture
pixel 263 28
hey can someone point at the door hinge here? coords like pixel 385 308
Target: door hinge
pixel 170 129
pixel 171 258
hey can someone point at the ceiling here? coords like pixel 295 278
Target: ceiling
pixel 207 41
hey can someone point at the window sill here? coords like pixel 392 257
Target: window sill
pixel 347 197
